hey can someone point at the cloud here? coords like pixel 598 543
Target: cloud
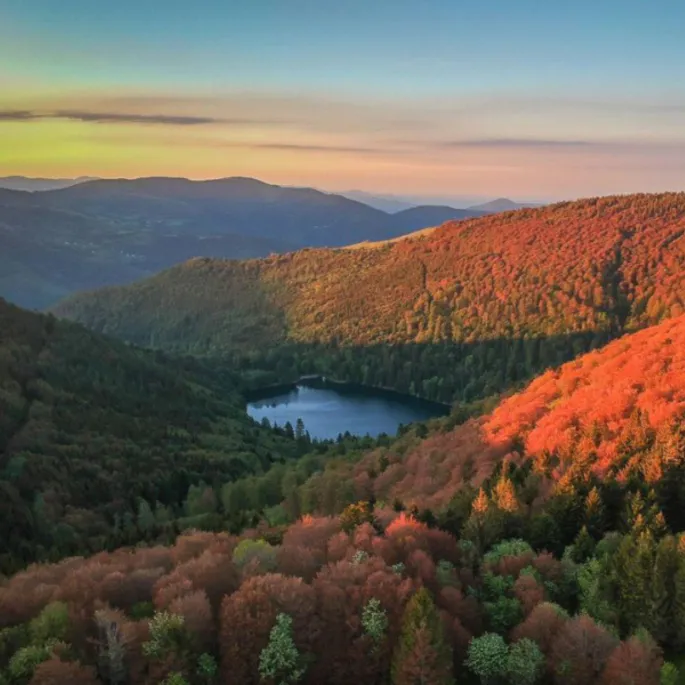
pixel 516 143
pixel 310 148
pixel 123 118
pixel 16 115
pixel 114 118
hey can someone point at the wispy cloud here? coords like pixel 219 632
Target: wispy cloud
pixel 16 115
pixel 124 118
pixel 515 143
pixel 296 147
pixel 112 117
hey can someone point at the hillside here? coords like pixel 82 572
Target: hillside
pixel 106 232
pixel 615 415
pixel 461 312
pixel 412 218
pixel 88 426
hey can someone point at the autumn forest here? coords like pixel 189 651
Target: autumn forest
pixel 151 532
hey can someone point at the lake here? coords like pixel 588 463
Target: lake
pixel 330 409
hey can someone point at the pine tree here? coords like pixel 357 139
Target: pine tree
pixel 146 519
pixel 280 661
pixel 595 514
pixel 504 495
pixel 679 596
pixel 485 524
pixel 662 621
pixel 633 572
pixel 422 655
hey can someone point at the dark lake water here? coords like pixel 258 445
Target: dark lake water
pixel 329 411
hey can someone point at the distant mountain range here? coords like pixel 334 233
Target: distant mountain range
pixel 397 203
pixel 101 232
pixel 390 204
pixel 386 203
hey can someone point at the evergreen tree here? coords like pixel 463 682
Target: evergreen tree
pixel 633 573
pixel 679 596
pixel 662 622
pixel 146 518
pixel 595 515
pixel 280 660
pixel 583 546
pixel 299 429
pixel 422 654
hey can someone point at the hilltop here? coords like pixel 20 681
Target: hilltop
pixel 40 184
pixel 464 311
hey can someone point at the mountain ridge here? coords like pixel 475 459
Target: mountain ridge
pixel 122 229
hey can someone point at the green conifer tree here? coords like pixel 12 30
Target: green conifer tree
pixel 422 655
pixel 280 661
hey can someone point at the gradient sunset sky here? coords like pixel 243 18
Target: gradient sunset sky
pixel 529 99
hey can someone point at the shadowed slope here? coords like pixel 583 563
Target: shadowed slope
pixel 88 425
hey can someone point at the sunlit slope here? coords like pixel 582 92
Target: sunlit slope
pixel 594 265
pixel 611 414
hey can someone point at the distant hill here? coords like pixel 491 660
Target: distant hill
pixel 40 184
pixel 386 203
pixel 88 425
pixel 465 311
pixel 113 231
pixel 430 215
pixel 48 252
pixel 502 204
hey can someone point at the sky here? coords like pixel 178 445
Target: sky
pixel 529 99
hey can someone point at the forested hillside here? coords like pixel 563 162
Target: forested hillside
pixel 613 416
pixel 89 426
pixel 368 597
pixel 462 312
pixel 600 429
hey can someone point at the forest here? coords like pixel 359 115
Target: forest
pixel 371 596
pixel 468 310
pixel 538 541
pixel 533 536
pixel 90 426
